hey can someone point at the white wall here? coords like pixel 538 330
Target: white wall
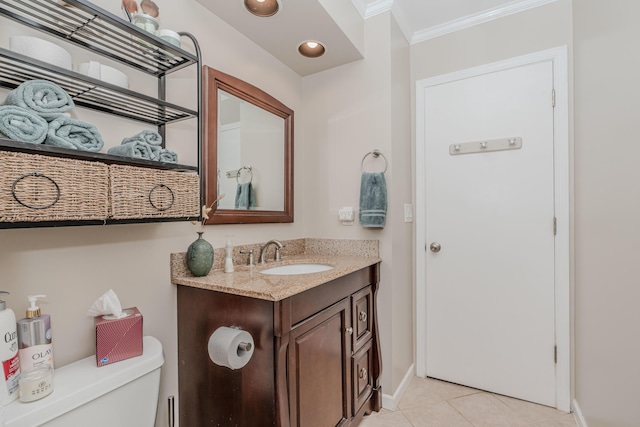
pixel 75 265
pixel 354 109
pixel 607 205
pixel 402 319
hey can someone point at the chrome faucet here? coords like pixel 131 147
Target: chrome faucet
pixel 263 251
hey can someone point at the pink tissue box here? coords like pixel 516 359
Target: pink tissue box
pixel 118 339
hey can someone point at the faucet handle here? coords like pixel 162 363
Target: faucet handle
pixel 250 260
pixel 277 256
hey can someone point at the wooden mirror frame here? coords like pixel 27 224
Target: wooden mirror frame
pixel 212 81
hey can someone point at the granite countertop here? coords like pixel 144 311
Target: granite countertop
pixel 248 281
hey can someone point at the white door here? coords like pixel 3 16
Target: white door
pixel 490 288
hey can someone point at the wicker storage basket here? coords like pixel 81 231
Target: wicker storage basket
pixel 151 193
pixel 36 188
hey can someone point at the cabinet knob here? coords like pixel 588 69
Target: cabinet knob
pixel 349 330
pixel 362 316
pixel 363 373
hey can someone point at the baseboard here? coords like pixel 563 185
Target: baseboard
pixel 577 414
pixel 391 402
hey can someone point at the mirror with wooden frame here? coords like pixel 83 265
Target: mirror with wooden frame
pixel 247 152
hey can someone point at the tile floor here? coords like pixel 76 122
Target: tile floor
pixel 433 403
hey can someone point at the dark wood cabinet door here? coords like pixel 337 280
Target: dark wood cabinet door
pixel 319 368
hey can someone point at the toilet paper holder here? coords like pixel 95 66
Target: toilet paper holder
pixel 244 347
pixel 231 347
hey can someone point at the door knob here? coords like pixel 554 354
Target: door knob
pixel 435 247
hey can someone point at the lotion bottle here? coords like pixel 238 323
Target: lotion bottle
pixel 9 380
pixel 34 338
pixel 228 261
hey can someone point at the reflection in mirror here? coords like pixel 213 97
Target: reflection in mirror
pixel 247 152
pixel 250 155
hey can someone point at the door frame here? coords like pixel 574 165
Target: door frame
pixel 562 190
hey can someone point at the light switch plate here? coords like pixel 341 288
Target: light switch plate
pixel 408 212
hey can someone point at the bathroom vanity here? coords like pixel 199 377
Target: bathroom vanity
pixel 316 360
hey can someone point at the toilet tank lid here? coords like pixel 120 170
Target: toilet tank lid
pixel 81 382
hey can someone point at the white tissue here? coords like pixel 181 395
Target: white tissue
pixel 107 304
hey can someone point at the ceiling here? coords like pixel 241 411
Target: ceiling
pixel 339 24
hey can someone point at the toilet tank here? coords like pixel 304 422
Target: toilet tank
pixel 123 394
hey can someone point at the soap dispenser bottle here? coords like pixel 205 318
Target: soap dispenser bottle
pixel 34 338
pixel 10 371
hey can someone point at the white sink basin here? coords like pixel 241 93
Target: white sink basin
pixel 297 269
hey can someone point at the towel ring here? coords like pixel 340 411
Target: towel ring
pixel 375 153
pixel 250 169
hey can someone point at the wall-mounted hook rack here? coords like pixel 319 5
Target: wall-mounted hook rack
pixel 485 146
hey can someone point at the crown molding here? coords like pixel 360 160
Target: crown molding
pixel 377 7
pixel 476 19
pixel 361 7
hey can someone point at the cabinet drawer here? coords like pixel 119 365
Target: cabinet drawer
pixel 45 188
pixel 307 303
pixel 362 378
pixel 362 319
pixel 151 193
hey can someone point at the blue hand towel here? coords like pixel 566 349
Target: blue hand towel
pixel 42 96
pixel 135 149
pixel 373 200
pixel 71 133
pixel 21 124
pixel 167 156
pixel 148 136
pixel 245 196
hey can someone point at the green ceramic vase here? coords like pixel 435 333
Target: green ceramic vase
pixel 200 256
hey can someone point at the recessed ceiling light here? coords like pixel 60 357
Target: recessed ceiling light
pixel 262 8
pixel 311 49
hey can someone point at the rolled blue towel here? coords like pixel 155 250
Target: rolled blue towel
pixel 148 136
pixel 135 149
pixel 22 124
pixel 167 156
pixel 155 151
pixel 71 133
pixel 42 96
pixel 245 196
pixel 373 200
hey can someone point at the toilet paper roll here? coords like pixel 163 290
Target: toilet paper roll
pixel 230 347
